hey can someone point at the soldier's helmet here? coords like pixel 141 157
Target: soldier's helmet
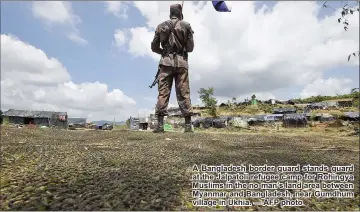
pixel 176 10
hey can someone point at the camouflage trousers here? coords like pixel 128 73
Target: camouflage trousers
pixel 166 77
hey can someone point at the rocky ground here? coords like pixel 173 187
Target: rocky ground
pixel 44 169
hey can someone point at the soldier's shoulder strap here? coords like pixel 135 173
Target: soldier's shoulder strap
pixel 171 27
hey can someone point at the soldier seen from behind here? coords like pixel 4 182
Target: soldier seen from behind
pixel 176 39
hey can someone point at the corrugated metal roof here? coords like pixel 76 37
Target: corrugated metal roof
pixel 32 113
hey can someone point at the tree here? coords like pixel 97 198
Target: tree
pixel 1 117
pixel 345 12
pixel 354 90
pixel 208 99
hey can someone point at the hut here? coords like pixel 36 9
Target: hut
pixel 326 117
pixel 196 123
pixel 39 118
pixel 295 120
pixel 273 117
pixel 256 120
pixel 220 122
pixel 134 123
pixel 207 122
pixel 144 123
pixel 351 116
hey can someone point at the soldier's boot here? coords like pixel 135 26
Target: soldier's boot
pixel 160 125
pixel 188 127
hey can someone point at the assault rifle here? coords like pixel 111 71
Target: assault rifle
pixel 156 80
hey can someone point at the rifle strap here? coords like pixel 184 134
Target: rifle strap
pixel 171 27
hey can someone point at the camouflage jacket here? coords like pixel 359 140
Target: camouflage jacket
pixel 185 34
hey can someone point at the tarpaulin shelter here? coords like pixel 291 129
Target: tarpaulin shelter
pixel 274 117
pixel 351 116
pixel 325 117
pixel 220 122
pixel 295 120
pixel 40 118
pixel 134 123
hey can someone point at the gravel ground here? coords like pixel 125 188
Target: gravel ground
pixel 43 169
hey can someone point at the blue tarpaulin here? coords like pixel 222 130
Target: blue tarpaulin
pixel 352 114
pixel 134 123
pixel 274 117
pixel 221 6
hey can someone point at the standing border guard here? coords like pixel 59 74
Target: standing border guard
pixel 176 39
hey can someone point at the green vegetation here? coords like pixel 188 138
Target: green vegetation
pixel 207 97
pixel 346 10
pixel 355 94
pixel 234 108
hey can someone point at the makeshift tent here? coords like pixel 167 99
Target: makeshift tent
pixel 316 105
pixel 197 122
pixel 295 120
pixel 207 123
pixel 134 123
pixel 256 120
pixel 326 117
pixel 220 122
pixel 274 117
pixel 351 116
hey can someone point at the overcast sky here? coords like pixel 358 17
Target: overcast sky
pixel 93 59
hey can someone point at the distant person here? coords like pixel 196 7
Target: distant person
pixel 176 39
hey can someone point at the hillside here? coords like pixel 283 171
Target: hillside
pixel 244 108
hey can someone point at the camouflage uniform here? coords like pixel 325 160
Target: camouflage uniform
pixel 173 65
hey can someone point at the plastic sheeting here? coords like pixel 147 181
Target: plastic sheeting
pixel 134 123
pixel 295 120
pixel 207 123
pixel 353 115
pixel 220 122
pixel 197 122
pixel 240 123
pixel 326 117
pixel 274 117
